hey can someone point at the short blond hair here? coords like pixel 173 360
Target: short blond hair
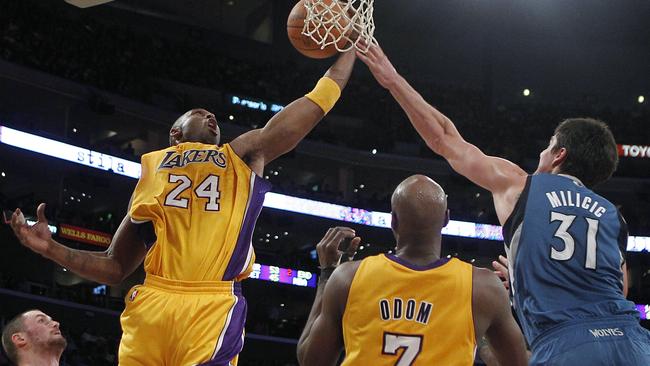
pixel 15 325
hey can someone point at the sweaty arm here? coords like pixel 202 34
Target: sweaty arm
pixel 123 256
pixel 499 176
pixel 321 342
pixel 285 130
pixel 111 267
pixel 493 318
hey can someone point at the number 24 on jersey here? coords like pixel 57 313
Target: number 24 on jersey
pixel 207 189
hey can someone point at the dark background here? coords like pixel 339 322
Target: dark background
pixel 113 79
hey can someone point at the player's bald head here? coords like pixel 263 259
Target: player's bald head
pixel 419 204
pixel 195 125
pixel 178 124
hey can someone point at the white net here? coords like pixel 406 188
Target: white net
pixel 344 24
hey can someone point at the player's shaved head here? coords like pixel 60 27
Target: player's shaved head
pixel 419 208
pixel 178 124
pixel 195 125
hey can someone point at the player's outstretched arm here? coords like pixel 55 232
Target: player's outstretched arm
pixel 493 318
pixel 494 174
pixel 286 129
pixel 111 267
pixel 321 340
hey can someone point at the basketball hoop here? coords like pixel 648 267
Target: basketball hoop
pixel 87 3
pixel 330 21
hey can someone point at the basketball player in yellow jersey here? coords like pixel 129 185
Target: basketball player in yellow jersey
pixel 411 308
pixel 191 219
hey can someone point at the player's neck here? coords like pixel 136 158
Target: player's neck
pixel 43 358
pixel 421 253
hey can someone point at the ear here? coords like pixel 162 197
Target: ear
pixel 393 221
pixel 559 157
pixel 19 339
pixel 447 215
pixel 175 135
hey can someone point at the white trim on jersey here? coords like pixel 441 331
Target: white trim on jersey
pixel 511 253
pixel 227 324
pixel 249 255
pixel 139 221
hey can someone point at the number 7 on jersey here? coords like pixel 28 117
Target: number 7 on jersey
pixel 412 345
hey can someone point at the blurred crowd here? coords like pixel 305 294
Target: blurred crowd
pixel 136 63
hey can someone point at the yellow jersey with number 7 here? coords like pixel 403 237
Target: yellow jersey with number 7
pixel 198 204
pixel 401 314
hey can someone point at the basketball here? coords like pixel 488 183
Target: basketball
pixel 305 44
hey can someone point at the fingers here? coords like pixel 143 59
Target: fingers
pixel 18 219
pixel 504 261
pixel 325 242
pixel 341 234
pixel 372 50
pixel 363 43
pixel 499 267
pixel 328 234
pixel 501 270
pixel 506 284
pixel 375 51
pixel 14 220
pixel 328 248
pixel 320 247
pixel 17 222
pixel 363 57
pixel 40 213
pixel 354 245
pixel 352 249
pixel 369 53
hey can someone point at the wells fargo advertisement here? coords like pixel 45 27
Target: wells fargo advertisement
pixel 84 235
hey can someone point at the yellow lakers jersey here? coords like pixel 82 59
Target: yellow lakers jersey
pixel 203 201
pixel 401 314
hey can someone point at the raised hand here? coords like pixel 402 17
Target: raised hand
pixel 379 65
pixel 501 270
pixel 328 249
pixel 36 237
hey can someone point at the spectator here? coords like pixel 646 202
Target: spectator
pixel 33 338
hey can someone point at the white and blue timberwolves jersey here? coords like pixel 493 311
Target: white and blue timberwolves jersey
pixel 566 245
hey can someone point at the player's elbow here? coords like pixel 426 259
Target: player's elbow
pixel 300 354
pixel 112 282
pixel 304 354
pixel 114 278
pixel 434 143
pixel 440 146
pixel 115 274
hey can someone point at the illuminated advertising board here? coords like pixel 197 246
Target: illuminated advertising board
pixel 273 200
pixel 254 103
pixel 634 151
pixel 84 235
pixel 283 275
pixel 69 152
